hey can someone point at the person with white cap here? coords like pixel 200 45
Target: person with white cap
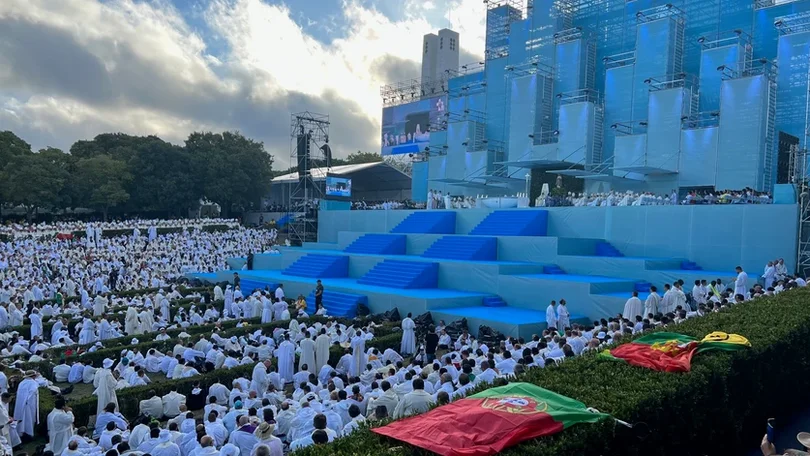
pixel 104 382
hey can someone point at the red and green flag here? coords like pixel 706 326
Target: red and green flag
pixel 487 422
pixel 672 352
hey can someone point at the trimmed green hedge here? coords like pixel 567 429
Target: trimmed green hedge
pixel 166 230
pixel 720 407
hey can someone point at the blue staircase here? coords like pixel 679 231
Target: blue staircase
pixel 428 222
pixel 552 269
pixel 337 304
pixel 493 301
pixel 523 222
pixel 402 274
pixel 469 248
pixel 319 266
pixel 283 221
pixel 606 249
pixel 690 266
pixel 248 286
pixel 642 287
pixel 380 244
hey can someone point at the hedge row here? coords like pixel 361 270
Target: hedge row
pixel 720 407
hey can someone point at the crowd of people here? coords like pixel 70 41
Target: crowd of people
pixel 629 198
pixel 66 227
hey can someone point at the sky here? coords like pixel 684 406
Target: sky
pixel 71 69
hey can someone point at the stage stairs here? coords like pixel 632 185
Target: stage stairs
pixel 402 274
pixel 469 248
pixel 428 222
pixel 606 249
pixel 513 223
pixel 380 244
pixel 493 301
pixel 337 304
pixel 319 266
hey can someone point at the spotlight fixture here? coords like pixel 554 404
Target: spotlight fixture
pixel 648 81
pixel 639 15
pixel 738 32
pixel 701 40
pixel 715 114
pixel 643 123
pixel 778 23
pixel 614 126
pixel 531 136
pixel 559 95
pixel 684 118
pixel 556 132
pixel 605 59
pixel 721 68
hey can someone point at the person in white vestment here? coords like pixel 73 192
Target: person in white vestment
pixel 769 275
pixel 36 323
pixel 633 307
pixel 417 401
pixel 307 352
pixel 408 344
pixel 60 426
pixel 741 284
pixel 652 302
pixel 322 344
pixel 286 359
pixel 358 354
pixel 165 446
pixel 551 315
pixel 26 408
pixel 563 317
pixel 104 382
pixel 259 380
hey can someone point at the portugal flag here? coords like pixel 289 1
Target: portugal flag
pixel 488 422
pixel 672 352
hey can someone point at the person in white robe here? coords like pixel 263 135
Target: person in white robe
pixel 36 323
pixel 322 344
pixel 267 310
pixel 417 401
pixel 104 382
pixel 652 302
pixel 88 332
pixel 60 426
pixel 259 379
pixel 147 319
pixel 26 408
pixel 551 315
pixel 286 359
pixel 105 330
pixel 633 307
pixel 358 354
pixel 563 317
pixel 307 353
pixel 99 305
pixel 165 446
pixel 769 275
pixel 741 284
pixel 408 344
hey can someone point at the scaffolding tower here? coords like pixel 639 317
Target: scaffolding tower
pixel 310 150
pixel 500 16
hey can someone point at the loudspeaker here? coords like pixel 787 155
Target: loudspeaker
pixel 303 155
pixel 327 152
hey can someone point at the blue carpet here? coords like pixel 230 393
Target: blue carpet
pixel 210 276
pixel 420 258
pixel 351 284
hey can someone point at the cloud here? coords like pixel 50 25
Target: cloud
pixel 75 68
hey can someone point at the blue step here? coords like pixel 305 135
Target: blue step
pixel 521 222
pixel 642 287
pixel 493 301
pixel 379 244
pixel 469 248
pixel 552 269
pixel 319 266
pixel 428 222
pixel 690 266
pixel 337 304
pixel 283 221
pixel 402 274
pixel 248 286
pixel 606 249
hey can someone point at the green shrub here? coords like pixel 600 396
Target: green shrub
pixel 720 407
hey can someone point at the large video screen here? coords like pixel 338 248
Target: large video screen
pixel 338 187
pixel 406 128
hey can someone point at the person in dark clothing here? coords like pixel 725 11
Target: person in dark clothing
pixel 250 261
pixel 431 343
pixel 236 280
pixel 318 295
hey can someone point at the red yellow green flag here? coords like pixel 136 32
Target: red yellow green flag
pixel 487 422
pixel 672 352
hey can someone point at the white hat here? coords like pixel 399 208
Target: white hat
pixel 107 363
pixel 134 342
pixel 804 439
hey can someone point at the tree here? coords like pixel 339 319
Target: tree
pixel 235 171
pixel 163 178
pixel 33 181
pixel 101 181
pixel 363 157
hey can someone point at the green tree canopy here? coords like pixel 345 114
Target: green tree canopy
pixel 101 181
pixel 33 181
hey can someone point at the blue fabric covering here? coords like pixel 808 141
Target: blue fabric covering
pixel 337 304
pixel 403 274
pixel 513 223
pixel 429 222
pixel 470 248
pixel 383 244
pixel 318 266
